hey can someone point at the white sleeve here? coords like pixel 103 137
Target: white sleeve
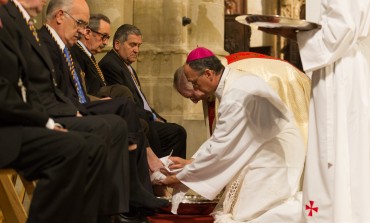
pixel 343 23
pixel 233 143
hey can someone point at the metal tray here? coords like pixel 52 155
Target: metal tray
pixel 275 21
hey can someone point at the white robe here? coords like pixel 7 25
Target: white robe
pixel 292 85
pixel 256 148
pixel 337 173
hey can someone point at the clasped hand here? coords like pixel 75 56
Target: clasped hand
pixel 177 164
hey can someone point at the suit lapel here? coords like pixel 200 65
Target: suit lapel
pixel 6 39
pixel 22 24
pixel 90 63
pixel 126 71
pixel 127 75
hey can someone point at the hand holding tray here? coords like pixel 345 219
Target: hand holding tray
pixel 275 21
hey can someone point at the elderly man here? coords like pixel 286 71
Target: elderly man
pixel 116 66
pixel 67 165
pixel 111 128
pixel 256 149
pixel 92 42
pixel 66 21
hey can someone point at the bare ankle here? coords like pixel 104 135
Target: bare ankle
pixel 132 147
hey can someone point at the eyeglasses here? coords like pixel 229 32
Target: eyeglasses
pixel 195 81
pixel 79 23
pixel 104 36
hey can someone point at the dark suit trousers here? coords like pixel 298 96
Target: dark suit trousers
pixel 68 168
pixel 122 107
pixel 171 136
pixel 113 129
pixel 126 109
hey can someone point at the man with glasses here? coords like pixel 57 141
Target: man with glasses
pixel 62 30
pixel 256 149
pixel 92 42
pixel 79 23
pixel 67 164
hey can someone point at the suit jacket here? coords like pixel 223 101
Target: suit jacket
pixel 62 73
pixel 92 78
pixel 94 83
pixel 116 72
pixel 14 112
pixel 42 74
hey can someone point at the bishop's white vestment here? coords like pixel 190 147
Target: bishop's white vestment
pixel 256 149
pixel 337 174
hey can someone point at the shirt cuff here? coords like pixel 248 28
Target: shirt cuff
pixel 50 124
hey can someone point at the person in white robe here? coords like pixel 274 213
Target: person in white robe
pixel 292 85
pixel 337 173
pixel 256 150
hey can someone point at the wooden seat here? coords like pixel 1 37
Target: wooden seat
pixel 11 203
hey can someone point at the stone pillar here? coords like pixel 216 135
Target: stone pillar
pixel 118 11
pixel 166 43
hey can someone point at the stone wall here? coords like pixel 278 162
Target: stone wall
pixel 166 43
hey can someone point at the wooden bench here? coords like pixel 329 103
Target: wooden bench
pixel 11 202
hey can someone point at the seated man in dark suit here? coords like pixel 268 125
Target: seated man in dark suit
pixel 110 127
pixel 116 67
pixel 60 32
pixel 92 42
pixel 68 165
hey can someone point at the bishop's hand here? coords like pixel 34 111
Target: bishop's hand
pixel 178 162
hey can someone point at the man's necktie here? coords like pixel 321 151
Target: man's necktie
pixel 98 69
pixel 146 104
pixel 33 30
pixel 76 81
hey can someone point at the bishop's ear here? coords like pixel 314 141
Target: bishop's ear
pixel 209 73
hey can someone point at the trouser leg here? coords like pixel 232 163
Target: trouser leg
pixel 113 129
pixel 59 162
pixel 139 196
pixel 172 137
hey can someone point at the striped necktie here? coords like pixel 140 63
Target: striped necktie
pixel 137 85
pixel 98 69
pixel 30 24
pixel 76 81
